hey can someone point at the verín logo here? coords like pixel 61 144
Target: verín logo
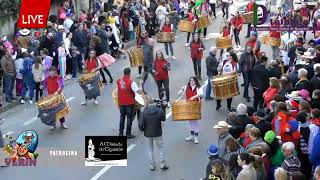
pixel 22 150
pixel 34 13
pixel 106 151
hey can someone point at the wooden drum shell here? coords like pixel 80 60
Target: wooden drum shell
pixel 166 37
pixel 247 17
pixel 87 77
pixel 50 101
pixel 135 57
pixel 223 42
pixel 186 110
pixel 203 22
pixel 186 26
pixel 225 86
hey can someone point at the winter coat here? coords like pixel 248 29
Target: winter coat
pixel 274 72
pixel 260 78
pixel 222 144
pixel 314 83
pixel 247 173
pixel 269 94
pixel 150 121
pixel 246 62
pixel 212 65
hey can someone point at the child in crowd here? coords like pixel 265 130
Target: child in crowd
pixel 131 31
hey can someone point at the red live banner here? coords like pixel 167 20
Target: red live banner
pixel 34 13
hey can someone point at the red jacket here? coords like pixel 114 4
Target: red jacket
pixel 52 84
pixel 269 94
pixel 304 12
pixel 167 28
pixel 190 93
pixel 91 64
pixel 252 44
pixel 195 52
pixel 161 72
pixel 237 22
pixel 275 34
pixel 125 93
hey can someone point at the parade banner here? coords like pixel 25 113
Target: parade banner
pixel 34 14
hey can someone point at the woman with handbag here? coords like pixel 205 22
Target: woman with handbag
pixel 167 28
pixel 101 55
pixel 193 92
pixel 196 48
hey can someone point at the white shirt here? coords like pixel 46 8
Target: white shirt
pixel 227 1
pixel 134 87
pixel 67 42
pixel 199 90
pixel 212 1
pixel 161 12
pixel 227 67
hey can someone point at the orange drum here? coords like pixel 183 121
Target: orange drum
pixel 186 26
pixel 223 42
pixel 247 17
pixel 274 41
pixel 166 37
pixel 225 86
pixel 265 39
pixel 186 110
pixel 203 22
pixel 135 57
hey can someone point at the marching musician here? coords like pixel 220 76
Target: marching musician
pixel 193 92
pixel 92 65
pixel 126 98
pixel 225 31
pixel 226 67
pixel 237 23
pixel 196 47
pixel 202 11
pixel 53 84
pixel 254 43
pixel 161 68
pixel 275 34
pixel 191 17
pixel 250 7
pixel 168 27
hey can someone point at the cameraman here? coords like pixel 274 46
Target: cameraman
pixel 150 124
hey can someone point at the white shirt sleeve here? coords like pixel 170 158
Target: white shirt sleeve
pixel 200 91
pixel 134 87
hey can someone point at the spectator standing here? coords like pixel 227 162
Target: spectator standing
pixel 23 41
pixel 38 76
pixel 19 66
pixel 223 131
pixel 212 70
pixel 248 172
pixel 62 57
pixel 9 74
pixel 273 89
pixel 27 78
pixel 291 163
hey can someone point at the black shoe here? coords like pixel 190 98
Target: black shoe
pixel 218 107
pixel 248 99
pixel 247 36
pixel 105 82
pixel 165 167
pixel 111 81
pixel 120 134
pixel 208 98
pixel 130 136
pixel 230 109
pixel 242 84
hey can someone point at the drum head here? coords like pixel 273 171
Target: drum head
pixel 139 99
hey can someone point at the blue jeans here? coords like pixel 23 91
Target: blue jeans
pixel 208 91
pixel 28 85
pixel 126 111
pixel 247 81
pixel 8 84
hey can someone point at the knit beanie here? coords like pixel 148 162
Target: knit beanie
pixel 269 136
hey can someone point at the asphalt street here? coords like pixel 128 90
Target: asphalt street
pixel 187 161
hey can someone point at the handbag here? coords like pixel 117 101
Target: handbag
pixel 106 60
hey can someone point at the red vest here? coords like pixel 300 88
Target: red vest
pixel 195 52
pixel 190 16
pixel 275 34
pixel 52 84
pixel 125 93
pixel 91 64
pixel 161 74
pixel 250 6
pixel 237 22
pixel 167 28
pixel 252 44
pixel 190 93
pixel 225 31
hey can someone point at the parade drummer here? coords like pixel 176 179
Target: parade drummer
pixel 237 22
pixel 126 99
pixel 92 65
pixel 161 67
pixel 196 48
pixel 254 43
pixel 193 92
pixel 227 67
pixel 275 34
pixel 191 17
pixel 168 27
pixel 225 31
pixel 202 11
pixel 53 84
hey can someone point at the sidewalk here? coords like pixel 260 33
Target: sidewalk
pixel 6 106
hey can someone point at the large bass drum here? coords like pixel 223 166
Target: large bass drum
pixel 225 86
pixel 247 17
pixel 135 57
pixel 166 37
pixel 186 110
pixel 186 26
pixel 139 101
pixel 223 42
pixel 203 22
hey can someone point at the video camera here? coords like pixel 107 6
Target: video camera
pixel 161 103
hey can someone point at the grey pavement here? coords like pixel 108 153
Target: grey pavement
pixel 187 161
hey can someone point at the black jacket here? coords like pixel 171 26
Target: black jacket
pixel 314 83
pixel 275 72
pixel 260 78
pixel 244 63
pixel 212 160
pixel 212 65
pixel 150 121
pixel 80 39
pixel 264 126
pixel 304 84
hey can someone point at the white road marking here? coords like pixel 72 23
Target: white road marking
pixel 169 114
pixel 36 118
pixel 70 99
pixel 106 168
pixel 30 121
pixel 7 134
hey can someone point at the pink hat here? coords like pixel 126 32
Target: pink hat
pixel 304 94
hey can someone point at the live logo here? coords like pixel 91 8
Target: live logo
pixel 32 19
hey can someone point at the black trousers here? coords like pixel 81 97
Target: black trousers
pixel 236 36
pixel 229 102
pixel 146 70
pixel 204 31
pixel 257 98
pixel 39 91
pixel 213 8
pixel 188 36
pixel 225 9
pixel 126 112
pixel 102 75
pixel 163 85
